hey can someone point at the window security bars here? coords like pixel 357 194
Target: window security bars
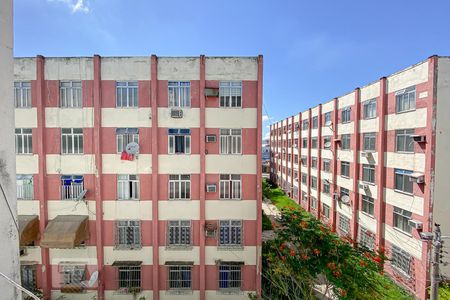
pixel 344 224
pixel 401 260
pixel 179 187
pixel 230 94
pixel 127 187
pixel 230 233
pixel 71 278
pixel 180 277
pixel 179 141
pixel 230 186
pixel 70 94
pixel 72 140
pixel 405 100
pixel 22 94
pixel 179 93
pixel 28 277
pixel 129 278
pixel 128 234
pixel 366 238
pixel 124 136
pixel 230 141
pixel 25 188
pixel 230 277
pixel 179 233
pixel 24 141
pixel 71 187
pixel 127 94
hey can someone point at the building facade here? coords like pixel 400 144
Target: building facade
pixel 373 165
pixel 139 177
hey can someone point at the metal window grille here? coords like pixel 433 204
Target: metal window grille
pixel 179 141
pixel 230 186
pixel 230 93
pixel 179 187
pixel 369 141
pixel 406 99
pixel 127 94
pixel 314 143
pixel 370 109
pixel 128 187
pixel 314 162
pixel 128 234
pixel 230 141
pixel 180 277
pixel 402 182
pixel 70 94
pixel 73 274
pixel 368 205
pixel 326 165
pixel 346 115
pixel 326 187
pixel 345 141
pixel 71 186
pixel 401 218
pixel 401 260
pixel 366 238
pixel 72 140
pixel 327 118
pixel 179 93
pixel 369 173
pixel 230 276
pixel 230 232
pixel 314 182
pixel 344 224
pixel 325 210
pixel 315 122
pixel 129 278
pixel 403 140
pixel 28 277
pixel 22 94
pixel 179 233
pixel 25 189
pixel 24 141
pixel 345 168
pixel 124 136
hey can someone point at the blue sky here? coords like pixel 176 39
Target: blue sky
pixel 313 50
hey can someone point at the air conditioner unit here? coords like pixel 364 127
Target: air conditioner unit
pixel 364 186
pixel 211 138
pixel 417 177
pixel 337 140
pixel 211 92
pixel 366 154
pixel 176 113
pixel 210 229
pixel 415 224
pixel 419 138
pixel 211 188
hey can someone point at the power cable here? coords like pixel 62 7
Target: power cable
pixel 9 207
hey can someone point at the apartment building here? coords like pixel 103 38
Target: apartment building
pixel 373 164
pixel 139 177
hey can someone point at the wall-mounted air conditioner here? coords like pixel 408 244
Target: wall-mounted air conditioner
pixel 176 113
pixel 211 138
pixel 366 154
pixel 417 177
pixel 415 224
pixel 211 188
pixel 211 92
pixel 419 138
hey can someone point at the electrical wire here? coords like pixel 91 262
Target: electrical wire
pixel 9 207
pixel 19 287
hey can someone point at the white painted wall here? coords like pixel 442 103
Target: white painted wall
pixel 407 202
pixel 407 161
pixel 245 254
pixel 24 68
pixel 346 100
pixel 112 164
pixel 126 68
pixel 126 117
pixel 58 207
pixel 408 77
pixel 27 164
pixel 191 118
pixel 179 209
pixel 127 210
pixel 179 164
pixel 69 68
pixel 179 68
pixel 70 164
pixel 231 68
pixel 230 209
pixel 83 255
pixel 56 117
pixel 370 91
pixel 25 117
pixel 232 164
pixel 231 117
pixel 412 119
pixel 144 254
pixel 190 254
pixel 404 241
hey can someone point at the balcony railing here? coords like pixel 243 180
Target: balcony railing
pixel 72 192
pixel 25 191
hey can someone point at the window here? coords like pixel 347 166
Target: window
pixel 230 141
pixel 230 233
pixel 229 276
pixel 303 158
pixel 327 118
pixel 127 94
pixel 368 205
pixel 369 141
pixel 370 109
pixel 28 277
pixel 327 165
pixel 344 224
pixel 72 140
pixel 313 203
pixel 304 178
pixel 369 173
pixel 128 234
pixel 129 277
pixel 346 115
pixel 405 100
pixel 315 122
pixel 346 138
pixel 366 238
pixel 314 182
pixel 180 277
pixel 325 210
pixel 403 140
pixel 402 182
pixel 179 187
pixel 24 141
pixel 127 187
pixel 25 188
pixel 296 143
pixel 179 94
pixel 327 142
pixel 304 143
pixel 304 196
pixel 296 159
pixel 22 94
pixel 314 162
pixel 230 186
pixel 401 218
pixel 345 168
pixel 401 260
pixel 304 124
pixel 124 136
pixel 70 94
pixel 230 94
pixel 326 187
pixel 314 143
pixel 179 233
pixel 73 275
pixel 179 141
pixel 72 187
pixel 345 192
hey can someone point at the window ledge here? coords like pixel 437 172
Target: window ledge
pixel 402 232
pixel 405 152
pixel 368 215
pixel 226 199
pixel 230 247
pixel 404 193
pixel 179 292
pixel 129 248
pixel 404 111
pixel 179 247
pixel 179 199
pixel 229 291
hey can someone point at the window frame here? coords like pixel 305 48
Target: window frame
pixel 346 115
pixel 326 210
pixel 326 162
pixel 133 280
pixel 23 141
pixel 22 94
pixel 229 269
pixel 179 277
pixel 174 135
pixel 230 187
pixel 181 185
pixel 400 98
pixel 24 187
pixel 315 122
pixel 228 90
pixel 71 186
pixel 72 143
pixel 401 260
pixel 370 109
pixel 369 141
pixel 225 238
pixel 70 96
pixel 345 165
pixel 180 90
pixel 368 205
pixel 131 89
pixel 408 142
pixel 400 220
pixel 344 224
pixel 124 136
pixel 404 174
pixel 179 231
pixel 327 118
pixel 346 142
pixel 368 173
pixel 231 142
pixel 131 227
pixel 128 187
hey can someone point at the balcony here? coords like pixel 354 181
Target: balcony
pixel 25 191
pixel 73 192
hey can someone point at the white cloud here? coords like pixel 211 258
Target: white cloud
pixel 75 5
pixel 266 118
pixel 266 136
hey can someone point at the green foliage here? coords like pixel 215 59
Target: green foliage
pixel 280 200
pixel 266 223
pixel 444 291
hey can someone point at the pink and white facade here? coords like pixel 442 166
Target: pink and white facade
pixel 373 164
pixel 179 219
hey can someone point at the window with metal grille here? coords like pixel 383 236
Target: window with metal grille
pixel 72 140
pixel 327 118
pixel 128 187
pixel 179 233
pixel 325 210
pixel 304 124
pixel 180 277
pixel 401 218
pixel 179 141
pixel 24 141
pixel 404 141
pixel 405 99
pixel 344 224
pixel 72 275
pixel 368 205
pixel 313 203
pixel 72 186
pixel 179 93
pixel 368 173
pixel 230 141
pixel 369 141
pixel 401 260
pixel 314 182
pixel 314 143
pixel 230 233
pixel 304 178
pixel 70 94
pixel 230 93
pixel 326 187
pixel 124 136
pixel 314 162
pixel 366 238
pixel 230 186
pixel 28 277
pixel 346 115
pixel 179 187
pixel 370 109
pixel 229 276
pixel 25 189
pixel 345 141
pixel 326 165
pixel 128 234
pixel 129 278
pixel 345 168
pixel 127 94
pixel 315 122
pixel 22 94
pixel 295 158
pixel 402 182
